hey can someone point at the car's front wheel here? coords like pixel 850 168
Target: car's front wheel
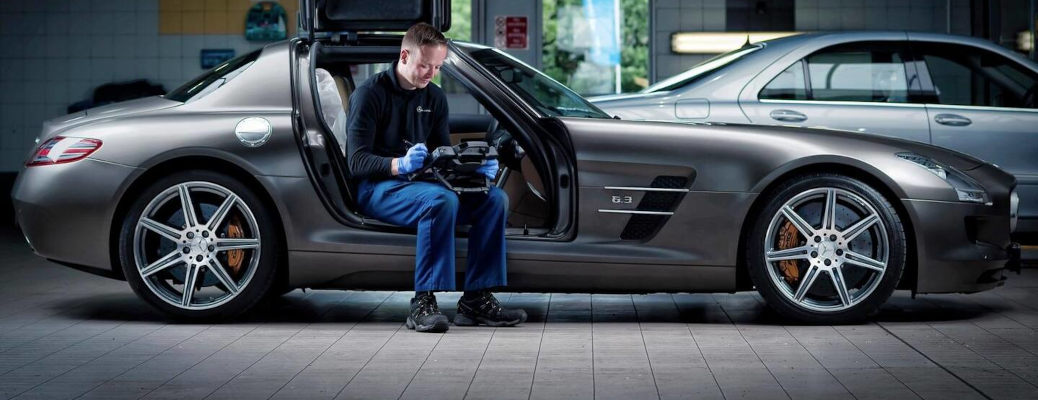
pixel 826 248
pixel 199 245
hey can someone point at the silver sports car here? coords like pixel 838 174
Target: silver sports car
pixel 961 93
pixel 233 188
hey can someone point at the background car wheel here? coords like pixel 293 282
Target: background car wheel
pixel 826 248
pixel 199 245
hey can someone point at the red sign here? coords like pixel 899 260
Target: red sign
pixel 510 32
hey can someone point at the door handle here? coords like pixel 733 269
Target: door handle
pixel 952 120
pixel 787 116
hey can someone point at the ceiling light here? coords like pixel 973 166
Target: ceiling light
pixel 718 42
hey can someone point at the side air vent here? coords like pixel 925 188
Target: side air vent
pixel 645 226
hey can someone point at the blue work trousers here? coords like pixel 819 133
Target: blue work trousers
pixel 435 211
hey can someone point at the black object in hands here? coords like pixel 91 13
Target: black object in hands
pixel 456 167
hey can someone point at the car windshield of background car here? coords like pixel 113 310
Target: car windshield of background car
pixel 546 94
pixel 213 78
pixel 700 70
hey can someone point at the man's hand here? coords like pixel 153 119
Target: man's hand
pixel 412 161
pixel 489 169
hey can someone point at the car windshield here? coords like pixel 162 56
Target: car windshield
pixel 213 78
pixel 546 94
pixel 700 70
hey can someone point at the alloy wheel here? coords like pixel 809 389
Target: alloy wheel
pixel 196 245
pixel 826 249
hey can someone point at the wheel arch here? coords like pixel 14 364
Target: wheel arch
pixel 182 163
pixel 885 187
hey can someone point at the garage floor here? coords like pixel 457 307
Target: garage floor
pixel 65 334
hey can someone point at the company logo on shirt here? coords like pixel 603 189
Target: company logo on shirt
pixel 421 110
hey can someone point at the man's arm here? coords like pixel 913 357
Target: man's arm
pixel 360 135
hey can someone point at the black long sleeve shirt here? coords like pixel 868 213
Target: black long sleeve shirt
pixel 383 115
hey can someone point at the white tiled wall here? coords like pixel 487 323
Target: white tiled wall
pixel 908 15
pixel 54 52
pixel 671 16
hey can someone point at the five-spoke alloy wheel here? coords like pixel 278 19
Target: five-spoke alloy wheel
pixel 199 244
pixel 826 249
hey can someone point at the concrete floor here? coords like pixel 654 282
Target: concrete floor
pixel 68 334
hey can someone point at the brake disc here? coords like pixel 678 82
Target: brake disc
pixel 788 238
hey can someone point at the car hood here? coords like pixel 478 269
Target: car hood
pixel 54 126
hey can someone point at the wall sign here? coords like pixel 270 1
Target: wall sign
pixel 266 21
pixel 213 57
pixel 510 32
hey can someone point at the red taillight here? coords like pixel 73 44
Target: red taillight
pixel 60 150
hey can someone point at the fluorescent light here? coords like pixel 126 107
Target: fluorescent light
pixel 1023 41
pixel 718 42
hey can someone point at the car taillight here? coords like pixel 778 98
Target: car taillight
pixel 60 150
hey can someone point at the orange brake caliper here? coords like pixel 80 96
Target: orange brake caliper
pixel 235 257
pixel 788 238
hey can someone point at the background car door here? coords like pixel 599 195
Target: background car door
pixel 860 86
pixel 983 104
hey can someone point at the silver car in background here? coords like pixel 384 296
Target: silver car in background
pixel 961 93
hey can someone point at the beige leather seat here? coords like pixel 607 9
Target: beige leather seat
pixel 345 87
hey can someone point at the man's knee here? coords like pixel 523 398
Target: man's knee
pixel 498 198
pixel 442 202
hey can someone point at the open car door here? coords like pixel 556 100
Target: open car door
pixel 330 17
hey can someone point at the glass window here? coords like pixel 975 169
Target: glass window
pixel 701 70
pixel 859 72
pixel 788 85
pixel 970 76
pixel 596 46
pixel 547 95
pixel 213 79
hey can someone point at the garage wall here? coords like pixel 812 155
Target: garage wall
pixel 915 15
pixel 669 16
pixel 54 52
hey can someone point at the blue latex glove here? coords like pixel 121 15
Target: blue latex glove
pixel 413 160
pixel 489 169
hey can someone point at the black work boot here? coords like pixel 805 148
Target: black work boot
pixel 485 309
pixel 425 315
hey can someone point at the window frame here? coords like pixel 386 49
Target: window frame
pixel 929 87
pixel 912 75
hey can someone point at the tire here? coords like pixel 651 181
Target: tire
pixel 862 245
pixel 232 264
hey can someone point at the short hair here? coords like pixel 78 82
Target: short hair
pixel 422 34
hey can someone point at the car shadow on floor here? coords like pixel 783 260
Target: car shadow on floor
pixel 297 307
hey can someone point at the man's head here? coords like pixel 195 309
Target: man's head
pixel 421 54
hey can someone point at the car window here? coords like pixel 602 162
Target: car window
pixel 701 70
pixel 547 95
pixel 858 72
pixel 213 78
pixel 787 85
pixel 970 76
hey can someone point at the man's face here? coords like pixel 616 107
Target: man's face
pixel 420 65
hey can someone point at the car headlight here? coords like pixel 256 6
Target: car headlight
pixel 966 188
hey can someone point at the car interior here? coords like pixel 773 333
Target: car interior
pixel 528 213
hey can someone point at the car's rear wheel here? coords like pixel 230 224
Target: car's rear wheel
pixel 199 245
pixel 826 248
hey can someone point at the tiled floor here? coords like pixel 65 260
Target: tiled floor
pixel 67 334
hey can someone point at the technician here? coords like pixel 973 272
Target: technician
pixel 394 118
